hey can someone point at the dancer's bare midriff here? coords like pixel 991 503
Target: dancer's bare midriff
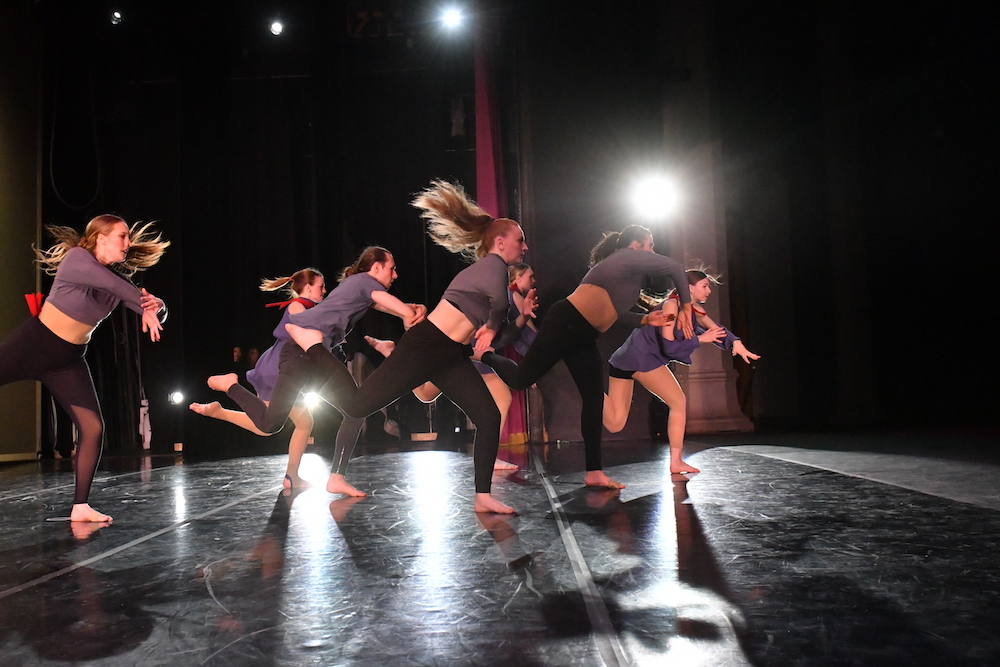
pixel 64 326
pixel 594 303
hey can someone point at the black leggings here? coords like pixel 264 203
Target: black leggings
pixel 566 335
pixel 296 373
pixel 34 353
pixel 423 353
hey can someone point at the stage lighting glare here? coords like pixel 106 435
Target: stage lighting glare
pixel 311 399
pixel 116 18
pixel 176 398
pixel 276 28
pixel 654 197
pixel 452 18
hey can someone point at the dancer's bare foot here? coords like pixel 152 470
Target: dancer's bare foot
pixel 337 484
pixel 295 483
pixel 84 512
pixel 487 503
pixel 213 409
pixel 222 382
pixel 681 466
pixel 598 478
pixel 383 347
pixel 500 464
pixel 304 338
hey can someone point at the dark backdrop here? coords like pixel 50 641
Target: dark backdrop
pixel 260 155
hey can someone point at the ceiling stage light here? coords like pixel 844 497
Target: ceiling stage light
pixel 116 18
pixel 276 28
pixel 452 18
pixel 311 399
pixel 654 197
pixel 176 398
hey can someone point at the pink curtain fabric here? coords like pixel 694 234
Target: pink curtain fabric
pixel 490 192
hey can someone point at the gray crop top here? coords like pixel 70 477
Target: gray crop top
pixel 88 291
pixel 621 275
pixel 480 292
pixel 341 309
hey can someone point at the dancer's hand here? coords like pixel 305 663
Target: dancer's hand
pixel 409 321
pixel 151 323
pixel 713 335
pixel 484 339
pixel 739 349
pixel 420 310
pixel 529 304
pixel 658 318
pixel 150 302
pixel 684 319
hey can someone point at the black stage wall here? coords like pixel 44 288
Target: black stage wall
pixel 855 152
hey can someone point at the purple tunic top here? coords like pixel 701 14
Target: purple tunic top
pixel 265 373
pixel 646 349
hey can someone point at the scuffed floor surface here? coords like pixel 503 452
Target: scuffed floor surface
pixel 758 560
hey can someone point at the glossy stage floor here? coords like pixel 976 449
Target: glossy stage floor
pixel 791 550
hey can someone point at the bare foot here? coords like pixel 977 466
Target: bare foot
pixel 681 466
pixel 487 503
pixel 222 382
pixel 598 478
pixel 304 338
pixel 295 482
pixel 84 512
pixel 500 464
pixel 337 484
pixel 383 347
pixel 213 409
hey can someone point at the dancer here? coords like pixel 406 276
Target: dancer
pixel 521 291
pixel 50 348
pixel 474 306
pixel 305 289
pixel 644 357
pixel 618 265
pixel 362 285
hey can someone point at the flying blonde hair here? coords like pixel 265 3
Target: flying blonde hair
pixel 145 250
pixel 457 223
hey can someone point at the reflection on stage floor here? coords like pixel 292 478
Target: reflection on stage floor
pixel 773 555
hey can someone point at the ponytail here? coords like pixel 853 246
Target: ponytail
pixel 370 256
pixel 293 284
pixel 457 223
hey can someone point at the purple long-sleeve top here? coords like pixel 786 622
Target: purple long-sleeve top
pixel 646 349
pixel 87 291
pixel 621 275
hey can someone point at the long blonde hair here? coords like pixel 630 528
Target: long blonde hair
pixel 293 284
pixel 146 244
pixel 456 223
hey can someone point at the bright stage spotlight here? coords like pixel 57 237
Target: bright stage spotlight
pixel 311 399
pixel 654 197
pixel 452 18
pixel 276 28
pixel 176 398
pixel 116 18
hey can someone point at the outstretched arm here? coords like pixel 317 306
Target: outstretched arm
pixel 727 340
pixel 387 303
